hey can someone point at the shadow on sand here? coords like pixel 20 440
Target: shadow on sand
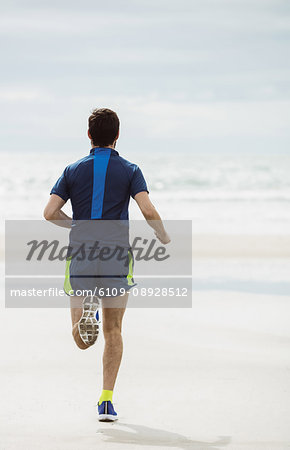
pixel 141 435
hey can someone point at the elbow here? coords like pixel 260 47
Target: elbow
pixel 47 214
pixel 149 213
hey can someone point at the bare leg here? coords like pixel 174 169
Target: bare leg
pixel 76 308
pixel 113 312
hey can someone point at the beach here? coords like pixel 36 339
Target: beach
pixel 214 375
pixel 211 377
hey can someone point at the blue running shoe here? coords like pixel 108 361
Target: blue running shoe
pixel 107 412
pixel 89 322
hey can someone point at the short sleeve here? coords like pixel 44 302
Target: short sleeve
pixel 138 183
pixel 61 187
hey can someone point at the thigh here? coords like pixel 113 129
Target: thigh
pixel 113 309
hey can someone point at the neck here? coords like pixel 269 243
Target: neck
pixel 112 146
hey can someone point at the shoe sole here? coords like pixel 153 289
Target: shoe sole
pixel 107 418
pixel 88 324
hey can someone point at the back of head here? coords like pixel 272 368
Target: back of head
pixel 103 127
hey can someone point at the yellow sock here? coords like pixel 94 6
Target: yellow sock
pixel 106 396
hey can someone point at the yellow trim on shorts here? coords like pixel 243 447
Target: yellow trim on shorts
pixel 130 274
pixel 67 286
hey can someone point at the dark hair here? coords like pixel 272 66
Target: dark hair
pixel 103 126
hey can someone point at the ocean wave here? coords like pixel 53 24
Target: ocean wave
pixel 224 196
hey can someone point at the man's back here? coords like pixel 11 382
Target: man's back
pixel 100 185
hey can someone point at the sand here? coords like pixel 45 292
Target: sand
pixel 215 376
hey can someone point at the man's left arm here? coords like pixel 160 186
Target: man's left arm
pixel 54 214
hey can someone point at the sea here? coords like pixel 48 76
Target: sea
pixel 220 193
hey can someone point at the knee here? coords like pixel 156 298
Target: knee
pixel 112 330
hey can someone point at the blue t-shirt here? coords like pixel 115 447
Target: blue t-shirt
pixel 100 185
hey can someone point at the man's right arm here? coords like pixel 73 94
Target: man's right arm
pixel 151 215
pixel 54 214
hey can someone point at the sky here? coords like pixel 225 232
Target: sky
pixel 190 75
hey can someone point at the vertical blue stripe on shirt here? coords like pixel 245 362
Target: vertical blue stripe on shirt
pixel 101 161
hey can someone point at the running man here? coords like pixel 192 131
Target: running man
pixel 99 186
